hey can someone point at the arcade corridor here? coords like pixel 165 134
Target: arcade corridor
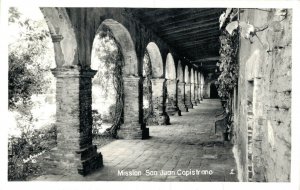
pixel 189 143
pixel 174 73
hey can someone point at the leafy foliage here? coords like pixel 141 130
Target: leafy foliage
pixel 29 66
pixel 108 53
pixel 30 58
pixel 24 150
pixel 147 88
pixel 228 64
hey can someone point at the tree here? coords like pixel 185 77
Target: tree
pixel 29 59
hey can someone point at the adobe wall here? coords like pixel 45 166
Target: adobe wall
pixel 263 112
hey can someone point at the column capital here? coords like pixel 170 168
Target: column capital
pixel 73 72
pixel 158 80
pixel 131 78
pixel 56 38
pixel 171 80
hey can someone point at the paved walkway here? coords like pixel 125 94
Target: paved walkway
pixel 186 150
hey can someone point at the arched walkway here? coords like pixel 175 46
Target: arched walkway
pixel 184 146
pixel 158 96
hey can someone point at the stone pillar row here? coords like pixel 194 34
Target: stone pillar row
pixel 75 152
pixel 187 98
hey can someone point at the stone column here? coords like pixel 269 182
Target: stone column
pixel 187 98
pixel 180 96
pixel 201 92
pixel 132 129
pixel 193 99
pixel 171 104
pixel 75 152
pixel 197 91
pixel 158 99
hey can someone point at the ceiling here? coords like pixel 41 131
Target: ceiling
pixel 192 32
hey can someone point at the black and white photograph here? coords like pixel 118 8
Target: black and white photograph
pixel 150 94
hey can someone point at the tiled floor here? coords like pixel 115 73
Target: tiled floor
pixel 186 150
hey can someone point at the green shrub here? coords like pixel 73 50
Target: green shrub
pixel 24 150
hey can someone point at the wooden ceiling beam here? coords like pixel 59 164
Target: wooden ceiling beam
pixel 165 16
pixel 199 53
pixel 209 15
pixel 203 46
pixel 192 28
pixel 196 42
pixel 190 16
pixel 201 22
pixel 207 59
pixel 195 37
pixel 178 15
pixel 193 32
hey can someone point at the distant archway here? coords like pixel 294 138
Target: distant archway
pixel 114 57
pixel 213 91
pixel 125 45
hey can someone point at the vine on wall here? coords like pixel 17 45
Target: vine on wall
pixel 147 88
pixel 109 53
pixel 228 64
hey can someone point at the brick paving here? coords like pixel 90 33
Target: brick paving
pixel 187 145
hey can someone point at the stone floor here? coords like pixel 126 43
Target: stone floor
pixel 187 145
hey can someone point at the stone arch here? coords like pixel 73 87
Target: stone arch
pixel 126 45
pixel 160 115
pixel 180 75
pixel 63 36
pixel 170 68
pixel 106 94
pixel 155 59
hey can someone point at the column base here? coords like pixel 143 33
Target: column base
pixel 171 110
pixel 163 119
pixel 198 101
pixel 194 103
pixel 183 108
pixel 90 160
pixel 83 162
pixel 179 112
pixel 189 105
pixel 133 132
